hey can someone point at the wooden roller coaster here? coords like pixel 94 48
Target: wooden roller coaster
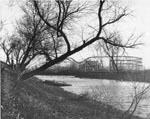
pixel 105 63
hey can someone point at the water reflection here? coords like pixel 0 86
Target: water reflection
pixel 116 93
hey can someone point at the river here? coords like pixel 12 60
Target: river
pixel 119 94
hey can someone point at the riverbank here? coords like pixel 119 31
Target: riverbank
pixel 34 99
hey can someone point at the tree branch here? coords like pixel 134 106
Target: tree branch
pixel 49 25
pixel 99 17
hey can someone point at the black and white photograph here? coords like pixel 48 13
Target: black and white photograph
pixel 75 59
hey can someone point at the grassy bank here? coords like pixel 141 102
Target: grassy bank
pixel 34 99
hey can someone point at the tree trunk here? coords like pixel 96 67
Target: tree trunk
pixel 57 60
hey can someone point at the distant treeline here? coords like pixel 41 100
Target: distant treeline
pixel 142 76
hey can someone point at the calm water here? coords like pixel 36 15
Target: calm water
pixel 117 93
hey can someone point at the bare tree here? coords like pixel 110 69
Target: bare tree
pixel 30 40
pixel 110 50
pixel 44 30
pixel 138 95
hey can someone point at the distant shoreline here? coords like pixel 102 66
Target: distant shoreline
pixel 141 76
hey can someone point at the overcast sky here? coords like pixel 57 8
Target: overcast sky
pixel 139 23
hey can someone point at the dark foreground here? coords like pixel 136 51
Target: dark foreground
pixel 34 99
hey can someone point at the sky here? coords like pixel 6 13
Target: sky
pixel 139 24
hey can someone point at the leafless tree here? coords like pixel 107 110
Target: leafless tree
pixel 137 98
pixel 110 50
pixel 30 40
pixel 138 94
pixel 45 26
